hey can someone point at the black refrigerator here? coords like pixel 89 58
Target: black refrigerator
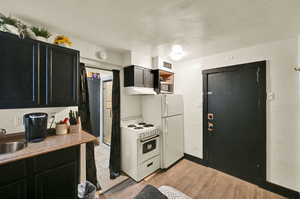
pixel 94 85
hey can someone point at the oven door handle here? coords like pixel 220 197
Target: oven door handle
pixel 150 138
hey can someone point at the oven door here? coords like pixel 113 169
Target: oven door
pixel 148 148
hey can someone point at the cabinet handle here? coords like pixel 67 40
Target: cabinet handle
pixel 150 164
pixel 37 57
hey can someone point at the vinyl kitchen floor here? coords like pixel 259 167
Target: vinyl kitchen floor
pixel 196 181
pixel 102 153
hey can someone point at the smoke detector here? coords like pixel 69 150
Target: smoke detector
pixel 101 54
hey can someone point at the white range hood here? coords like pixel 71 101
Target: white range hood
pixel 139 91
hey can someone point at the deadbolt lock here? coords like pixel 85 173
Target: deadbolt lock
pixel 210 116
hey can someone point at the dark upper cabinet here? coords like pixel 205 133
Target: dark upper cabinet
pixel 148 78
pixel 36 74
pixel 62 76
pixel 138 76
pixel 19 72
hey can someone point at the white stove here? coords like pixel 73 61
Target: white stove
pixel 140 142
pixel 141 129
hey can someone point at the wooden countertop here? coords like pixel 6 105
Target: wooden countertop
pixel 51 143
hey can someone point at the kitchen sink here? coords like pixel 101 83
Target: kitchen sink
pixel 11 147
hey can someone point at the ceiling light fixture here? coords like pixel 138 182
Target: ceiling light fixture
pixel 177 52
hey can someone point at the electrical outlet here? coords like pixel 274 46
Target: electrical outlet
pixel 18 121
pixel 51 119
pixel 51 115
pixel 231 57
pixel 270 96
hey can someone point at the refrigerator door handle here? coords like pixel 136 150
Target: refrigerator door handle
pixel 166 126
pixel 166 106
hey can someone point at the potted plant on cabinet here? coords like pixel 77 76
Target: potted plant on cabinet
pixel 41 34
pixel 62 40
pixel 9 24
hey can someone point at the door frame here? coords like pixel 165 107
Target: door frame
pixel 262 90
pixel 104 81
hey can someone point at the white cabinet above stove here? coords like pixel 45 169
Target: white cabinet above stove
pixel 162 64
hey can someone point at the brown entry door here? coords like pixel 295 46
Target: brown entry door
pixel 107 111
pixel 235 120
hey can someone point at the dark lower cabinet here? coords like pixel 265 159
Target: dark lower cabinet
pixel 48 176
pixel 16 190
pixel 61 178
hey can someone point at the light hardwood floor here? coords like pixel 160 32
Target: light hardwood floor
pixel 196 181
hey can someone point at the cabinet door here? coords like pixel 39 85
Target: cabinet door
pixel 19 72
pixel 148 78
pixel 63 77
pixel 17 190
pixel 60 182
pixel 138 77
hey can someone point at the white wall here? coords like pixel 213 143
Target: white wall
pixel 130 104
pixel 138 57
pixel 88 50
pixel 283 161
pixel 12 119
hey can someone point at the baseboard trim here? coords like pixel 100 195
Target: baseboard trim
pixel 195 159
pixel 283 191
pixel 286 192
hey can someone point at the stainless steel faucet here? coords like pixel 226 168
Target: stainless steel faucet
pixel 2 132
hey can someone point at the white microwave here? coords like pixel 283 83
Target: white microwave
pixel 161 63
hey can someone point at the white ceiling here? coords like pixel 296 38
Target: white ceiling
pixel 203 27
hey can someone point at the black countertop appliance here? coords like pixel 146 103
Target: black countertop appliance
pixel 35 126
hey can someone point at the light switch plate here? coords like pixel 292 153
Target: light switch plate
pixel 270 96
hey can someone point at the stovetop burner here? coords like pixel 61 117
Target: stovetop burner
pixel 142 123
pixel 138 128
pixel 148 125
pixel 131 126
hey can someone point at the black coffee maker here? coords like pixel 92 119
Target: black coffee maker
pixel 35 126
